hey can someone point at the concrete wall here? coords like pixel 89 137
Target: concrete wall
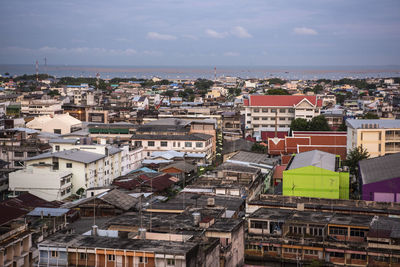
pixel 386 191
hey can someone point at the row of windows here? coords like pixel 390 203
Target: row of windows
pixel 20 154
pixel 272 118
pixel 265 125
pixel 165 144
pixel 273 110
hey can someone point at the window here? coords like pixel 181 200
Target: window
pixel 138 143
pixel 4 152
pixel 256 118
pixel 291 110
pixel 188 144
pixel 174 144
pixel 18 154
pixel 265 110
pixel 337 254
pixel 282 118
pixel 264 118
pixel 258 225
pixel 273 110
pixel 111 257
pixel 57 131
pixel 31 154
pixel 150 143
pixel 54 254
pixel 57 148
pixel 69 165
pixel 83 256
pixel 357 232
pixel 143 260
pixel 256 110
pixel 164 143
pixel 358 257
pixel 337 231
pixel 199 144
pixel 171 262
pixel 282 110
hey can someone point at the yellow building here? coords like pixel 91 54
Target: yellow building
pixel 378 137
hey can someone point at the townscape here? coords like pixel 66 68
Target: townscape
pixel 195 172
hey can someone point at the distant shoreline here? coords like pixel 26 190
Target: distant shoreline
pixel 193 72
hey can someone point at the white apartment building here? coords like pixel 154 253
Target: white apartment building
pixel 99 167
pixel 261 110
pixel 41 107
pixel 42 181
pixel 378 137
pixel 190 143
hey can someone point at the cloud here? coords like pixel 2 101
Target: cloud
pixel 215 34
pixel 231 54
pixel 152 53
pixel 190 36
pixel 72 50
pixel 240 32
pixel 160 36
pixel 305 31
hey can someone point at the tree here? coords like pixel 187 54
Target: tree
pixel 203 84
pixel 319 123
pixel 277 92
pixel 276 81
pixel 318 88
pixel 354 156
pixel 259 148
pixel 299 125
pixel 370 116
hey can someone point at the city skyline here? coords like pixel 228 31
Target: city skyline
pixel 189 33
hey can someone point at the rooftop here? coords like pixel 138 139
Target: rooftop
pixel 380 168
pixel 315 158
pixel 370 124
pixel 73 155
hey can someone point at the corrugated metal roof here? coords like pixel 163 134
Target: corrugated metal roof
pixel 315 158
pixel 381 124
pixel 380 168
pixel 53 212
pixel 73 155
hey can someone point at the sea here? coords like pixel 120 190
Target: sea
pixel 208 72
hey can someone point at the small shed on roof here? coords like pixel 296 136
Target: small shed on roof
pixel 110 203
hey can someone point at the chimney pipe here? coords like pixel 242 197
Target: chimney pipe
pixel 94 230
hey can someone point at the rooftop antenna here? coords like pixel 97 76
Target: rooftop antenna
pixel 215 74
pixel 37 70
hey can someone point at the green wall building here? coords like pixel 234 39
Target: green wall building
pixel 315 174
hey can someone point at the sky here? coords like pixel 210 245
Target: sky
pixel 200 32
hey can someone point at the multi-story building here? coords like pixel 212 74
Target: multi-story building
pixel 281 235
pixel 178 135
pixel 262 111
pixel 99 167
pixel 18 145
pixel 378 137
pixel 42 181
pixel 16 245
pixel 41 107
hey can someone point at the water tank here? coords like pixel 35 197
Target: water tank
pixel 196 218
pixel 142 233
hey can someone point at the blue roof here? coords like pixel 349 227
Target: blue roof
pixel 143 169
pixel 53 212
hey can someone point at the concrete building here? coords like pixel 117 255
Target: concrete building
pixel 378 137
pixel 380 178
pixel 292 236
pixel 315 174
pixel 89 169
pixel 261 110
pixel 40 180
pixel 58 124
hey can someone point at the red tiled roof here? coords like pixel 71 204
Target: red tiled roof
pixel 280 100
pixel 276 148
pixel 271 134
pixel 278 172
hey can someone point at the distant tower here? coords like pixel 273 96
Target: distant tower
pixel 37 70
pixel 215 74
pixel 45 65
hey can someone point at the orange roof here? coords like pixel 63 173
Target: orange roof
pixel 278 172
pixel 280 100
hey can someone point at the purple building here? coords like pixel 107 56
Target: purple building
pixel 380 178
